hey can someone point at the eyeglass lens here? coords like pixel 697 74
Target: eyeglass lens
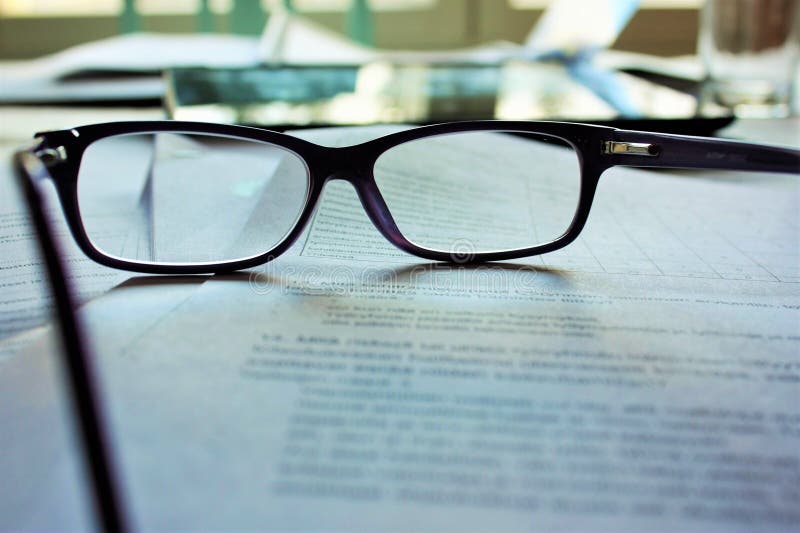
pixel 452 193
pixel 188 198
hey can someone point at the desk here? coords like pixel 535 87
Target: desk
pixel 572 394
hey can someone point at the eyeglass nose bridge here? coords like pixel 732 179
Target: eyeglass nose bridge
pixel 374 205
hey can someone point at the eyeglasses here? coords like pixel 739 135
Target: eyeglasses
pixel 181 197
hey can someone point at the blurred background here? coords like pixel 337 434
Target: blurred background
pixel 31 28
pixel 299 63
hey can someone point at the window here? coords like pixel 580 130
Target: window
pixel 43 8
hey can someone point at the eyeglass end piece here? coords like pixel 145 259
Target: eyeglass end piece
pixel 625 148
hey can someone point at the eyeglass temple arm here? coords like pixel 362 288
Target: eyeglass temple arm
pixel 29 172
pixel 642 149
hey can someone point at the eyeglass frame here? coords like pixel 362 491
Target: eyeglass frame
pixel 598 148
pixel 85 397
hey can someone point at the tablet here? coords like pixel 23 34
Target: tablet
pixel 284 97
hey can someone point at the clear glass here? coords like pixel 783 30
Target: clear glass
pixel 477 192
pixel 750 51
pixel 188 198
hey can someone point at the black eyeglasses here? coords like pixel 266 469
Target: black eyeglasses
pixel 181 197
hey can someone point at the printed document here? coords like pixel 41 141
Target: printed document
pixel 24 298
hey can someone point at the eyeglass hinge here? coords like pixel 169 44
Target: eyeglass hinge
pixel 52 156
pixel 645 149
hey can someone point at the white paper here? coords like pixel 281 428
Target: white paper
pixel 53 77
pixel 24 299
pixel 459 399
pixel 45 484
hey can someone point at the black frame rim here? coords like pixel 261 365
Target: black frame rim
pixel 355 165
